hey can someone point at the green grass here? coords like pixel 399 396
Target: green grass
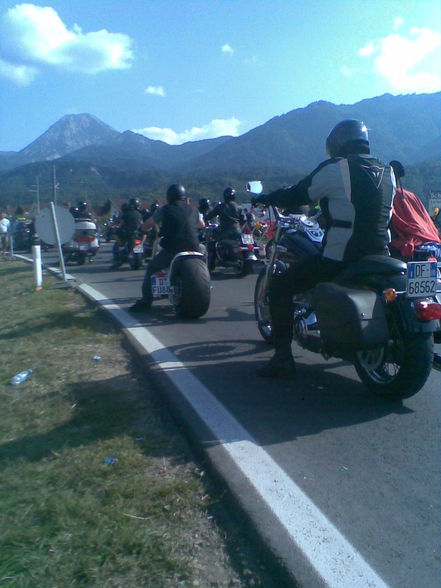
pixel 67 517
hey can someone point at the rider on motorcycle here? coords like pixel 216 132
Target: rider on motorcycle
pixel 355 192
pixel 411 225
pixel 179 224
pixel 83 210
pixel 130 223
pixel 231 216
pixel 204 207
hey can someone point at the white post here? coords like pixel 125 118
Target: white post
pixel 38 275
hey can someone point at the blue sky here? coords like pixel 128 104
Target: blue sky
pixel 181 70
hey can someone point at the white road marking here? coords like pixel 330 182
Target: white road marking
pixel 335 560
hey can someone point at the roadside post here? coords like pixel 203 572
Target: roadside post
pixel 36 256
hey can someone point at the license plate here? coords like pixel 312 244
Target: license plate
pixel 138 249
pixel 421 278
pixel 160 286
pixel 84 247
pixel 247 239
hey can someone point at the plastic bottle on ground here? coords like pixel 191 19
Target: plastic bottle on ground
pixel 21 377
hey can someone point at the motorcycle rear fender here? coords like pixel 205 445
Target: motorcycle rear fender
pixel 183 255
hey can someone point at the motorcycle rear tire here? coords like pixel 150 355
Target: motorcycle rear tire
pixel 81 259
pixel 135 261
pixel 191 283
pixel 416 356
pixel 261 307
pixel 245 268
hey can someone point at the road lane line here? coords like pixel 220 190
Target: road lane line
pixel 333 558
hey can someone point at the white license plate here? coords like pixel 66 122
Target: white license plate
pixel 138 249
pixel 421 278
pixel 160 286
pixel 84 247
pixel 247 239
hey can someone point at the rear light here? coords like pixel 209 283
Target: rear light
pixel 84 238
pixel 250 247
pixel 427 309
pixel 390 295
pixel 138 242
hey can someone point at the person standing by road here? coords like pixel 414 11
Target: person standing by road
pixel 179 223
pixel 355 192
pixel 4 233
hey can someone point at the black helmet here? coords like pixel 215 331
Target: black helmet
pixel 204 205
pixel 82 206
pixel 73 210
pixel 175 192
pixel 229 194
pixel 348 136
pixel 398 168
pixel 154 207
pixel 133 203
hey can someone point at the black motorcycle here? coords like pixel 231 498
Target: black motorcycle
pixel 240 253
pixel 379 314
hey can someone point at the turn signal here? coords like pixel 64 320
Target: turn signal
pixel 390 295
pixel 427 310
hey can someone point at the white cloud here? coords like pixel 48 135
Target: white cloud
pixel 215 128
pixel 22 75
pixel 155 90
pixel 397 23
pixel 33 36
pixel 227 49
pixel 405 61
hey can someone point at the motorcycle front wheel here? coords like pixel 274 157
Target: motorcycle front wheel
pixel 261 306
pixel 400 371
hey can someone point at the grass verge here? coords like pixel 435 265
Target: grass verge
pixel 97 485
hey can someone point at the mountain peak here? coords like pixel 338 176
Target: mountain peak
pixel 71 132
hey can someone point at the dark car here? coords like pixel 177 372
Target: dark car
pixel 22 235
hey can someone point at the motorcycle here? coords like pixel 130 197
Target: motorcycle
pixel 380 313
pixel 131 252
pixel 84 243
pixel 186 284
pixel 241 253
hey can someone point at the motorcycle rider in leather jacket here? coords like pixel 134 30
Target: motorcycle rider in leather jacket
pixel 179 224
pixel 355 192
pixel 231 216
pixel 130 223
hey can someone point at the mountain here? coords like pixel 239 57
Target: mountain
pixel 407 128
pixel 70 133
pixel 94 160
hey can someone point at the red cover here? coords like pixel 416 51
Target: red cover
pixel 411 223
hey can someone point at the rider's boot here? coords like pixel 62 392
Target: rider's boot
pixel 281 365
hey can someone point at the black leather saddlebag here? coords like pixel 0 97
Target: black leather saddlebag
pixel 350 318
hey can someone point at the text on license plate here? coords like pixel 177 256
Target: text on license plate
pixel 421 278
pixel 247 239
pixel 138 249
pixel 160 286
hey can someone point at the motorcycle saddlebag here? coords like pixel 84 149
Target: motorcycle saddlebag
pixel 350 318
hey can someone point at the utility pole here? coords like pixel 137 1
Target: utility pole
pixel 55 185
pixel 36 188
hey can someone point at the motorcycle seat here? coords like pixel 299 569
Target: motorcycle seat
pixel 372 264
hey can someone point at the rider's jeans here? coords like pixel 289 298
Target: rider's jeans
pixel 299 277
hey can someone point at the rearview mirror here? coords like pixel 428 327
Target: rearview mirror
pixel 255 187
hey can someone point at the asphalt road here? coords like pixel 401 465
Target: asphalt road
pixel 370 466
